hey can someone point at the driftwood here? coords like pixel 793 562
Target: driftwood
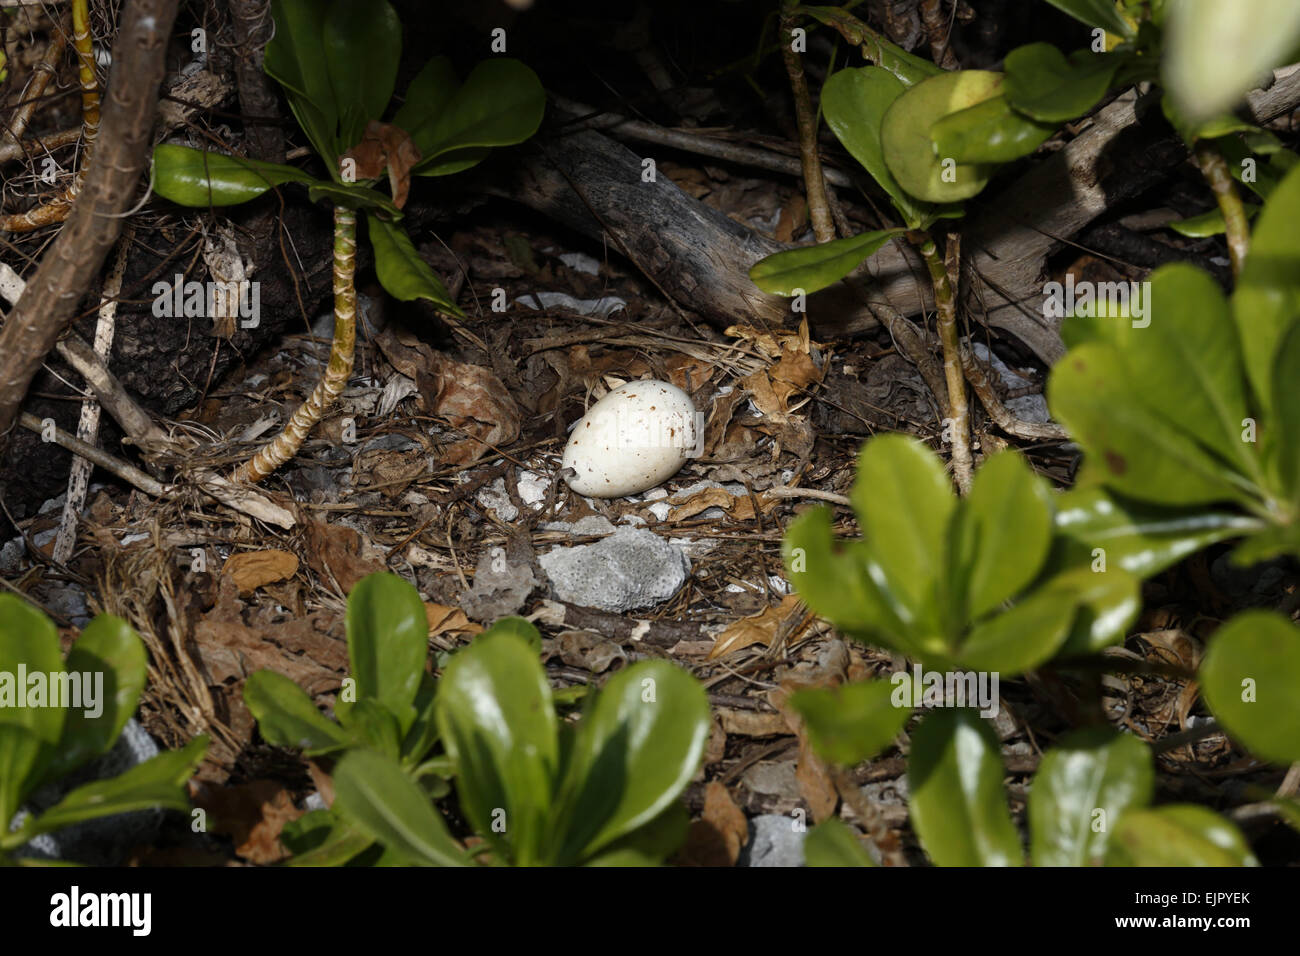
pixel 701 258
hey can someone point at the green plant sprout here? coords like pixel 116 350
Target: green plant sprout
pixel 44 740
pixel 537 790
pixel 337 62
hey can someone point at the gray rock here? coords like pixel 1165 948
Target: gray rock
pixel 500 588
pixel 591 524
pixel 105 841
pixel 632 568
pixel 776 841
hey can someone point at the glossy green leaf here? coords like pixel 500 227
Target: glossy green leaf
pixel 1200 227
pixel 352 196
pixel 1002 534
pixel 362 43
pixel 287 717
pixel 637 748
pixel 1091 392
pixel 1249 678
pixel 812 268
pixel 1136 537
pixel 1020 638
pixel 854 103
pixel 402 271
pixel 295 58
pixel 1083 786
pixel 107 646
pixel 1177 835
pixel 319 838
pixel 834 580
pixel 1286 411
pixel 905 136
pixel 1044 85
pixel 649 844
pixel 1217 50
pixel 500 103
pixel 988 132
pixel 832 843
pixel 906 67
pixel 197 177
pixel 496 719
pixel 374 727
pixel 374 795
pixel 954 779
pixel 1266 303
pixel 1096 13
pixel 388 642
pixel 904 501
pixel 521 628
pixel 29 645
pixel 854 722
pixel 1107 604
pixel 158 782
pixel 423 732
pixel 428 94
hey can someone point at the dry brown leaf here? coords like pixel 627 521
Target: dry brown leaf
pixel 253 814
pixel 738 507
pixel 386 146
pixel 718 836
pixel 444 619
pixel 773 342
pixel 760 628
pixel 252 569
pixel 816 784
pixel 753 723
pixel 339 553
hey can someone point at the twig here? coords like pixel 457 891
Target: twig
pixel 806 118
pixel 1001 415
pixel 103 459
pixel 830 496
pixel 41 76
pixel 44 144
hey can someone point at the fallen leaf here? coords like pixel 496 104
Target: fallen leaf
pixel 252 569
pixel 760 628
pixel 252 814
pixel 339 553
pixel 384 145
pixel 753 723
pixel 718 836
pixel 444 619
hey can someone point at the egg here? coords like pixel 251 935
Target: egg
pixel 633 439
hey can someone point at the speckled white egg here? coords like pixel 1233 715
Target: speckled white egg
pixel 633 439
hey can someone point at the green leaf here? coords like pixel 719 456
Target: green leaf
pixel 423 732
pixel 1189 362
pixel 335 846
pixel 158 782
pixel 374 727
pixel 906 67
pixel 1044 85
pixel 904 501
pixel 812 268
pixel 988 132
pixel 388 642
pixel 1002 533
pixel 362 42
pixel 521 628
pixel 428 94
pixel 836 582
pixel 352 196
pixel 287 717
pixel 500 104
pixel 497 721
pixel 1249 678
pixel 107 646
pixel 374 795
pixel 650 843
pixel 1266 302
pixel 1139 538
pixel 197 177
pixel 854 102
pixel 954 778
pixel 1091 392
pixel 1286 408
pixel 1217 50
pixel 637 748
pixel 402 271
pixel 905 135
pixel 1083 786
pixel 852 723
pixel 1021 638
pixel 832 843
pixel 1108 603
pixel 1207 224
pixel 28 734
pixel 1096 13
pixel 1177 835
pixel 295 58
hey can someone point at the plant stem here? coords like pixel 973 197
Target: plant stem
pixel 945 307
pixel 286 444
pixel 1215 170
pixel 819 210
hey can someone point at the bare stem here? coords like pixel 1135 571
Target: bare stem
pixel 945 307
pixel 819 210
pixel 1215 170
pixel 286 444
